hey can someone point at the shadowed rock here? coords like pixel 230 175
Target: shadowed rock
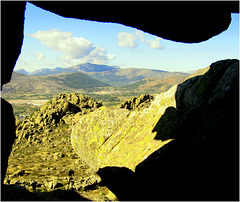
pixel 175 17
pixel 18 193
pixel 8 134
pixel 202 162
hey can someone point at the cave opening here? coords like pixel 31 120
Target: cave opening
pixel 78 46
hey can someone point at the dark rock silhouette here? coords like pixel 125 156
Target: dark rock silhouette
pixel 19 193
pixel 202 162
pixel 12 20
pixel 178 26
pixel 8 134
pixel 121 181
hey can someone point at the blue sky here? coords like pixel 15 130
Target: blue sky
pixel 53 41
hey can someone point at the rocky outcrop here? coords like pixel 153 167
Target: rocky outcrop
pixel 120 137
pixel 57 111
pixel 137 103
pixel 183 147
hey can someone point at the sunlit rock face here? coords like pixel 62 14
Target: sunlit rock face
pixel 120 137
pixel 124 138
pixel 186 140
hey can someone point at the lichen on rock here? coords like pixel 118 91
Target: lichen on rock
pixel 118 136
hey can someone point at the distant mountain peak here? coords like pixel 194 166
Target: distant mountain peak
pixel 22 71
pixel 84 68
pixel 90 67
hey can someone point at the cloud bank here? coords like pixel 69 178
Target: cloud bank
pixel 132 40
pixel 75 49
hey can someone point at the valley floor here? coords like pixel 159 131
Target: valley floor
pixel 33 102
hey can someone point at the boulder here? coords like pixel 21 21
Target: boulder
pixel 120 137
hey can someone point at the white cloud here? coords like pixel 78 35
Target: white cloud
pixel 132 40
pixel 39 56
pixel 76 49
pixel 127 40
pixel 97 56
pixel 155 44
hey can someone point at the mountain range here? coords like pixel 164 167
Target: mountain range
pixel 84 68
pixel 112 75
pixel 87 77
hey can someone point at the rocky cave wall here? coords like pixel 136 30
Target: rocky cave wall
pixel 188 22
